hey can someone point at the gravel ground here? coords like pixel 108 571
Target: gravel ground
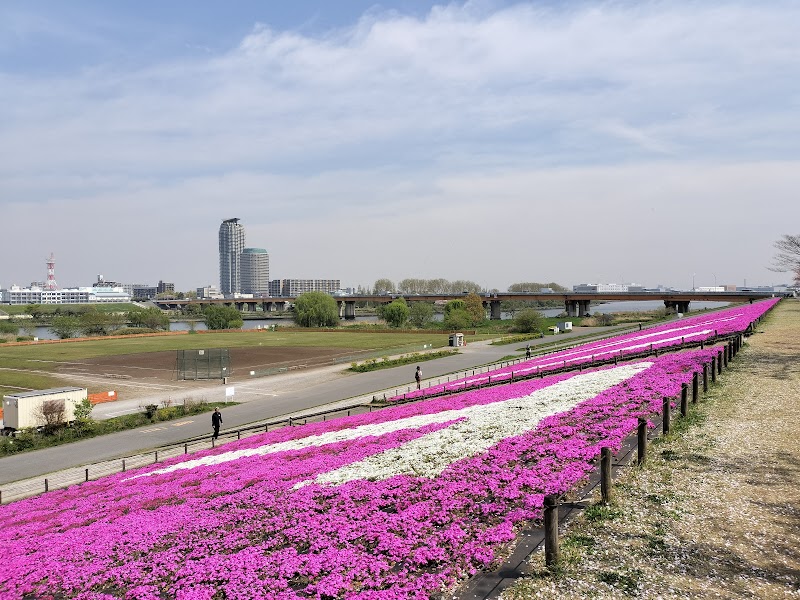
pixel 715 512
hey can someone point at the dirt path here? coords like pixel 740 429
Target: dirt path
pixel 716 512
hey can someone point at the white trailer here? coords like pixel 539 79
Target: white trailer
pixel 30 409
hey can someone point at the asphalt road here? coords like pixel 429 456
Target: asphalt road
pixel 261 399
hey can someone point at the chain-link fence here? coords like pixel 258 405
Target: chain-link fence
pixel 211 363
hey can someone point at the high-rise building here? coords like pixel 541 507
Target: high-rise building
pixel 255 271
pixel 231 245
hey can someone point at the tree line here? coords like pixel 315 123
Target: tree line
pixel 443 286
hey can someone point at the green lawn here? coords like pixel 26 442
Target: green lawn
pixel 72 350
pixel 19 309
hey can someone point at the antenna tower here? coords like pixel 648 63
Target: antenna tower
pixel 51 273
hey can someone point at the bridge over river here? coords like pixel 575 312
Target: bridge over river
pixel 575 303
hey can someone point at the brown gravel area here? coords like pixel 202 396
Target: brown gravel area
pixel 715 513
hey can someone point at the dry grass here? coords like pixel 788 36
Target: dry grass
pixel 715 513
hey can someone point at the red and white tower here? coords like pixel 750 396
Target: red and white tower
pixel 51 273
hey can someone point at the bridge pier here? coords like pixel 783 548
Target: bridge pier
pixel 494 310
pixel 583 308
pixel 571 306
pixel 679 306
pixel 349 310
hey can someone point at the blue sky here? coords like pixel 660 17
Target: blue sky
pixel 491 141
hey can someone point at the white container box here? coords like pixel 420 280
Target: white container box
pixel 24 410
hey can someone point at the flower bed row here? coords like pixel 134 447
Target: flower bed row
pixel 397 504
pixel 690 330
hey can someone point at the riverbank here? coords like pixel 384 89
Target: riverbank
pixel 715 512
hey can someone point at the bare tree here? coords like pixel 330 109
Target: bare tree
pixel 788 256
pixel 51 413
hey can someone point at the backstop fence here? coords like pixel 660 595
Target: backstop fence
pixel 212 363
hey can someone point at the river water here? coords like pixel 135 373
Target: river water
pixel 44 333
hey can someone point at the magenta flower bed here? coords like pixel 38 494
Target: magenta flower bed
pixel 692 329
pixel 397 504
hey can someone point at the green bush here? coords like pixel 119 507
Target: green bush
pixel 373 365
pixel 8 327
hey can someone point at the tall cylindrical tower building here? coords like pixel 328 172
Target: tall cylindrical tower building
pixel 255 271
pixel 231 245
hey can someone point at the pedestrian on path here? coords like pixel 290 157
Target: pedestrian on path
pixel 216 421
pixel 418 377
pixel 528 351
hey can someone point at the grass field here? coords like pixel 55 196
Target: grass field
pixel 19 309
pixel 34 366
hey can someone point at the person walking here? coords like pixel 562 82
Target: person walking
pixel 216 421
pixel 418 377
pixel 528 351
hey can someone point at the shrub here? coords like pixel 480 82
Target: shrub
pixel 528 321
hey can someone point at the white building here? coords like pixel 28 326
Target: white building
pixel 255 271
pixel 605 287
pixel 82 295
pixel 209 291
pixel 295 287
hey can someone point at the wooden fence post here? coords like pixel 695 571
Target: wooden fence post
pixel 705 377
pixel 605 474
pixel 684 399
pixel 156 460
pixel 719 362
pixel 725 355
pixel 123 465
pixel 665 416
pixel 641 434
pixel 46 484
pixel 551 530
pixel 87 474
pixel 713 369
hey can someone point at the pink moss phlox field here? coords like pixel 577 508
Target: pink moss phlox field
pixel 691 329
pixel 244 529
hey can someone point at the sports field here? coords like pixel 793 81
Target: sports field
pixel 105 364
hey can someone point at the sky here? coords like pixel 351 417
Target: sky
pixel 492 141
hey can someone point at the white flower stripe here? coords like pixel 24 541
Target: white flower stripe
pixel 483 426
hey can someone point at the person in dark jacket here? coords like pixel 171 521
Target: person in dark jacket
pixel 216 421
pixel 418 377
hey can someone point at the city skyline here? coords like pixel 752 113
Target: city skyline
pixel 492 140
